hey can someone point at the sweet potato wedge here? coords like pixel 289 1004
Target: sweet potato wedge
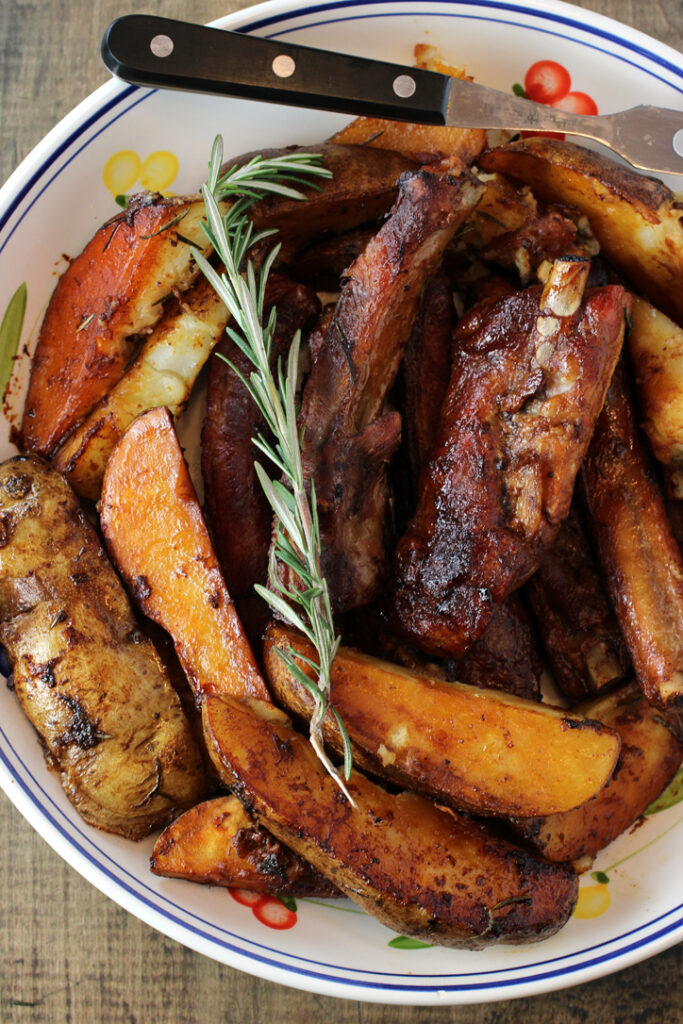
pixel 636 219
pixel 163 373
pixel 454 147
pixel 155 533
pixel 649 759
pixel 109 295
pixel 478 750
pixel 86 677
pixel 217 843
pixel 423 871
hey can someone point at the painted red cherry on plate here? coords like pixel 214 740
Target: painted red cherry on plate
pixel 245 897
pixel 576 103
pixel 274 914
pixel 546 81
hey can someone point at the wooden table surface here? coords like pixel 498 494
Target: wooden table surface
pixel 67 953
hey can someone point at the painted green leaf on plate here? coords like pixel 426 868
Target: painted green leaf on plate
pixel 404 942
pixel 673 794
pixel 10 333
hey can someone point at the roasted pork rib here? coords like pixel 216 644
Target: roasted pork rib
pixel 582 640
pixel 640 558
pixel 529 378
pixel 347 440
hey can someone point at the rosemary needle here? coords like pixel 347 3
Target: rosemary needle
pixel 297 536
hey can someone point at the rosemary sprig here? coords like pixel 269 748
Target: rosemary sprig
pixel 297 534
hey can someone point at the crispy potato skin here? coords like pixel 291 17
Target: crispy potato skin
pixel 526 389
pixel 109 294
pixel 455 148
pixel 637 220
pixel 420 870
pixel 163 373
pixel 461 887
pixel 650 757
pixel 217 843
pixel 88 680
pixel 641 562
pixel 156 535
pixel 478 750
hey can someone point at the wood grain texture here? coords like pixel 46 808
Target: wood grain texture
pixel 67 953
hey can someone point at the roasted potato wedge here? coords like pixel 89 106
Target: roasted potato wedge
pixel 420 870
pixel 478 750
pixel 109 295
pixel 637 220
pixel 163 373
pixel 460 887
pixel 655 345
pixel 217 843
pixel 453 147
pixel 88 680
pixel 649 759
pixel 153 527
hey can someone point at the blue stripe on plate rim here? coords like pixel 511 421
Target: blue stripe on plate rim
pixel 31 790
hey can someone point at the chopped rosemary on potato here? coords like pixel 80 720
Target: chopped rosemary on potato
pixel 297 536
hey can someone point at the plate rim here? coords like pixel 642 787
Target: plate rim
pixel 19 185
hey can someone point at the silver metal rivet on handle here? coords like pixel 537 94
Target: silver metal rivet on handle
pixel 404 86
pixel 678 142
pixel 161 46
pixel 283 66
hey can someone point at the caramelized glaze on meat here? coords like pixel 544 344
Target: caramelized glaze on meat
pixel 505 656
pixel 347 440
pixel 237 510
pixel 526 389
pixel 640 558
pixel 582 641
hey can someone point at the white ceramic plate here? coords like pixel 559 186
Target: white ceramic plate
pixel 60 195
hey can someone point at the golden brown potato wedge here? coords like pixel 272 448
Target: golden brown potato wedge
pixel 454 147
pixel 163 373
pixel 655 346
pixel 217 842
pixel 153 526
pixel 89 681
pixel 109 295
pixel 649 759
pixel 423 871
pixel 637 220
pixel 461 886
pixel 641 562
pixel 480 750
